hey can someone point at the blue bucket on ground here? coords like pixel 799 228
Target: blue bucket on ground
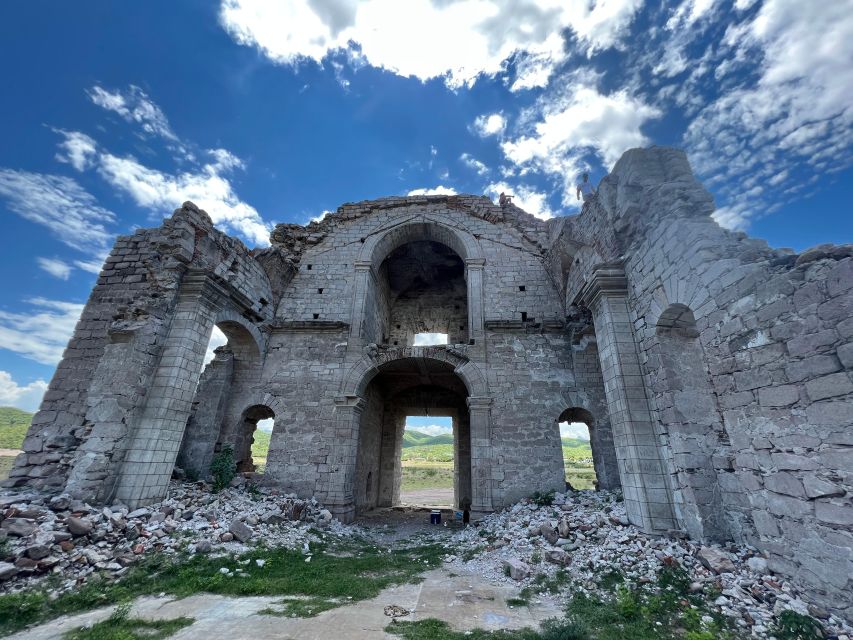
pixel 435 516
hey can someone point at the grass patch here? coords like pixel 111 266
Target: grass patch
pixel 426 475
pixel 432 629
pixel 6 464
pixel 121 627
pixel 284 572
pixel 13 427
pixel 795 626
pixel 303 607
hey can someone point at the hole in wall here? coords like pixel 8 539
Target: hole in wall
pixel 316 316
pixel 429 339
pixel 320 290
pixel 524 316
pixel 522 287
pixel 577 455
pixel 309 267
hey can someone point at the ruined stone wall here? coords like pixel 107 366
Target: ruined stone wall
pixel 96 404
pixel 755 406
pixel 367 472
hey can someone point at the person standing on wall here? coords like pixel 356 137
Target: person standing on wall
pixel 586 189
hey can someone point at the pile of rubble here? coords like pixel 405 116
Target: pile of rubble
pixel 588 535
pixel 42 535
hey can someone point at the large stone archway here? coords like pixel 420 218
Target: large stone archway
pixel 360 402
pixel 380 244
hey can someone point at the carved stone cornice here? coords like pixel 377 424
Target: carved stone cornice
pixel 607 279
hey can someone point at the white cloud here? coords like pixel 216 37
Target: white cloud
pixel 55 267
pixel 490 124
pixel 532 201
pixel 266 425
pixel 457 41
pixel 91 266
pixel 77 149
pixel 26 398
pixel 574 430
pixel 432 429
pixel 795 118
pixel 41 333
pixel 217 339
pixel 70 212
pixel 472 163
pixel 575 120
pixel 134 105
pixel 440 190
pixel 208 187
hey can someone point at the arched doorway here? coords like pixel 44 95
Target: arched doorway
pixel 401 388
pixel 605 469
pixel 253 418
pixel 687 409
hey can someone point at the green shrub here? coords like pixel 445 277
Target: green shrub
pixel 223 468
pixel 796 626
pixel 543 499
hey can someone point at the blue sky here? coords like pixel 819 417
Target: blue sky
pixel 266 112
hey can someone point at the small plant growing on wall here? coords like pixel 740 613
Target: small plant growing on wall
pixel 222 468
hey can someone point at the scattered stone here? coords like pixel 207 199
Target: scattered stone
pixel 37 551
pixel 549 533
pixel 240 530
pixel 518 570
pixel 395 611
pixel 18 527
pixel 7 570
pixel 203 546
pixel 79 526
pixel 716 560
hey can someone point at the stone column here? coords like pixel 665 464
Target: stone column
pixel 342 457
pixel 481 453
pixel 390 465
pixel 364 280
pixel 474 280
pixel 645 482
pixel 154 445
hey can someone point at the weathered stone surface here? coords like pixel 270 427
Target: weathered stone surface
pixel 516 569
pixel 20 527
pixel 716 560
pixel 79 526
pixel 240 531
pixel 7 570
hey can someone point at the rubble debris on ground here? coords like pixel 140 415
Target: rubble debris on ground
pixel 42 536
pixel 587 535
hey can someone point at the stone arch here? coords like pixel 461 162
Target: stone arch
pixel 382 242
pixel 687 410
pixel 244 337
pixel 249 419
pixel 368 367
pixel 601 443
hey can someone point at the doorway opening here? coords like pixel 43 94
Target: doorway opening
pixel 424 393
pixel 577 454
pixel 428 461
pixel 253 439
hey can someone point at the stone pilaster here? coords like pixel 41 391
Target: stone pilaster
pixel 645 482
pixel 342 457
pixel 479 409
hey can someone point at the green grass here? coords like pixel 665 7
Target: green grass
pixel 120 627
pixel 358 576
pixel 303 607
pixel 429 452
pixel 662 611
pixel 13 427
pixel 6 463
pixel 426 475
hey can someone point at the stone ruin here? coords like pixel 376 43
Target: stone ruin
pixel 713 371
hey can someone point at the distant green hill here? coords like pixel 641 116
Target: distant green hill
pixel 13 427
pixel 577 443
pixel 413 438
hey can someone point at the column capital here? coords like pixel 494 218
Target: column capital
pixel 475 263
pixel 479 402
pixel 354 403
pixel 606 279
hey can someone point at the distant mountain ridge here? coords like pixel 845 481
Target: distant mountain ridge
pixel 414 438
